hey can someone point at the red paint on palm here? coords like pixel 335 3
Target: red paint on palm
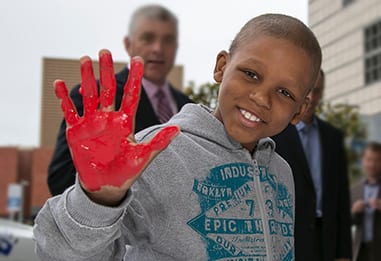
pixel 101 141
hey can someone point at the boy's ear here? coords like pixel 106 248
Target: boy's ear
pixel 299 115
pixel 221 61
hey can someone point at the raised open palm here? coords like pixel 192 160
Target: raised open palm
pixel 102 141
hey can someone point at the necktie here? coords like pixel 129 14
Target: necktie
pixel 164 112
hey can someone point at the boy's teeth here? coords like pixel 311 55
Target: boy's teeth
pixel 249 116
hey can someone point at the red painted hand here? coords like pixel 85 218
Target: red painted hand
pixel 102 142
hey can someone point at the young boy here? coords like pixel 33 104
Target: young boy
pixel 217 190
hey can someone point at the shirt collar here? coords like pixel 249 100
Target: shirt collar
pixel 374 184
pixel 150 88
pixel 301 125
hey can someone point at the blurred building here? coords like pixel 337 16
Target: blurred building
pixel 27 166
pixel 349 32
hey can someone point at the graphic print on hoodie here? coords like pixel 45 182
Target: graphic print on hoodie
pixel 237 190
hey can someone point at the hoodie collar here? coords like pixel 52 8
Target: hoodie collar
pixel 198 120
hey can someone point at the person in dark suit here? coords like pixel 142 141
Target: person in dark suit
pixel 316 154
pixel 153 35
pixel 366 206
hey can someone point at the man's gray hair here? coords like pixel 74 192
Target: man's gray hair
pixel 152 12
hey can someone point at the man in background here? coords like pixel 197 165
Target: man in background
pixel 366 206
pixel 315 151
pixel 153 35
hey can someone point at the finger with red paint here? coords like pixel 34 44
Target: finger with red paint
pixel 67 106
pixel 104 151
pixel 107 80
pixel 89 89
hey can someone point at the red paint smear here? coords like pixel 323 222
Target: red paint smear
pixel 105 160
pixel 101 152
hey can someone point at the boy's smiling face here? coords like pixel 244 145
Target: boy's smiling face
pixel 263 87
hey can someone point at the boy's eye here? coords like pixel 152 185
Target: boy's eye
pixel 252 75
pixel 286 93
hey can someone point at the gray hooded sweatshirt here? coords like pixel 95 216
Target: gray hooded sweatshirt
pixel 204 197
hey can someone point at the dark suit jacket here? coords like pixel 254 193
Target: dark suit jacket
pixel 61 171
pixel 357 192
pixel 336 219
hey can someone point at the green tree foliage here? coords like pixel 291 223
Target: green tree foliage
pixel 205 94
pixel 343 116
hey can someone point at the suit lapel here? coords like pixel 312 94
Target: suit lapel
pixel 357 191
pixel 326 156
pixel 300 151
pixel 121 78
pixel 174 96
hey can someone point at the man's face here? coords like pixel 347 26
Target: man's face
pixel 263 88
pixel 156 42
pixel 315 96
pixel 371 163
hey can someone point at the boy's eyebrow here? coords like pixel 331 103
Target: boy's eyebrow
pixel 253 61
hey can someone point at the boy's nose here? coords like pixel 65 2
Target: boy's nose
pixel 261 97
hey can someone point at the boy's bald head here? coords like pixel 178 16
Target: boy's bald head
pixel 283 27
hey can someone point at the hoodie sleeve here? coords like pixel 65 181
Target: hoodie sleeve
pixel 72 227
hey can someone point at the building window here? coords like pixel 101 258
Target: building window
pixel 372 46
pixel 347 2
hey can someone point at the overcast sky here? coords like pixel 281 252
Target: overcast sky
pixel 33 29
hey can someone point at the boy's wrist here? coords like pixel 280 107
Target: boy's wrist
pixel 107 196
pixel 88 212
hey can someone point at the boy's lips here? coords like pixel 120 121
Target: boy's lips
pixel 250 116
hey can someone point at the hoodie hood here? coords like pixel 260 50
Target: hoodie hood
pixel 198 120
